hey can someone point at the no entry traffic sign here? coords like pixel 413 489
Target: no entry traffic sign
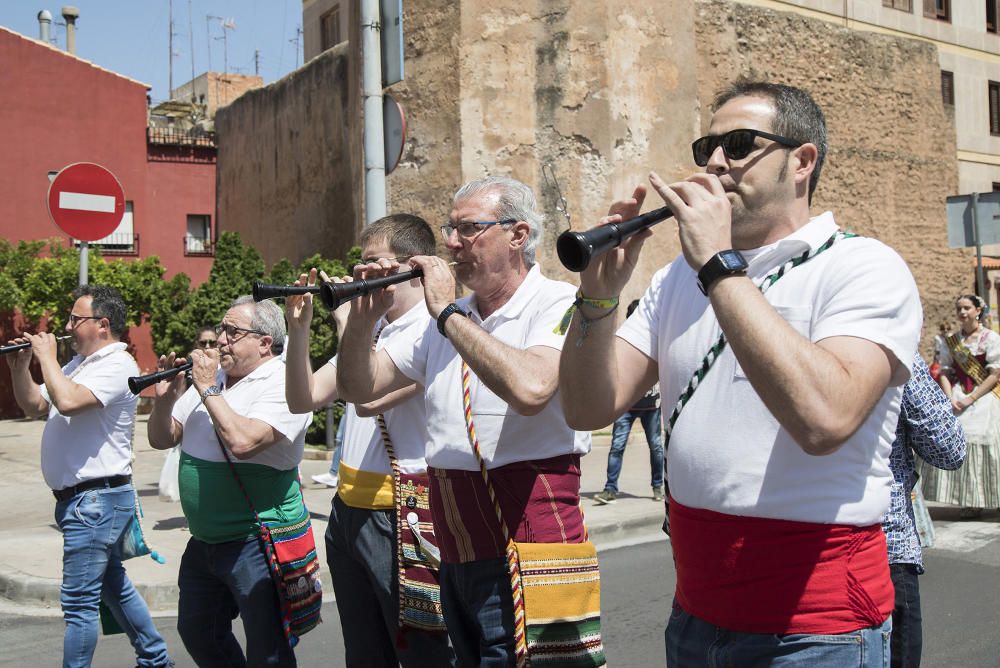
pixel 86 201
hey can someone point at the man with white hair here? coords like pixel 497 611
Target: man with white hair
pixel 237 413
pixel 503 336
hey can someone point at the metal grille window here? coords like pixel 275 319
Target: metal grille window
pixel 329 27
pixel 938 9
pixel 994 108
pixel 991 16
pixel 902 5
pixel 948 88
pixel 198 240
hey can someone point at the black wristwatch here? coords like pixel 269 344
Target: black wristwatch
pixel 723 263
pixel 448 311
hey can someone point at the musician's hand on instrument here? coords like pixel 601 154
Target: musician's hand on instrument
pixel 44 346
pixel 607 274
pixel 439 282
pixel 19 360
pixel 299 308
pixel 204 369
pixel 703 213
pixel 375 304
pixel 171 388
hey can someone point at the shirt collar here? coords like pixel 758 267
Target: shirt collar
pixel 263 372
pixel 103 352
pixel 810 236
pixel 522 296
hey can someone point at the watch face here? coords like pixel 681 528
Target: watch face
pixel 732 260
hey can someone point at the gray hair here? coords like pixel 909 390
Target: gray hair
pixel 515 201
pixel 268 318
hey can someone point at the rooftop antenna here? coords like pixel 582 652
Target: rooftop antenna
pixel 296 40
pixel 191 39
pixel 561 205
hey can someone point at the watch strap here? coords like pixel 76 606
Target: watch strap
pixel 448 311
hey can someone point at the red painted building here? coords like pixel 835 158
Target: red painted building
pixel 57 109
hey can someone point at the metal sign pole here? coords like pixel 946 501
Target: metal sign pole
pixel 980 289
pixel 84 246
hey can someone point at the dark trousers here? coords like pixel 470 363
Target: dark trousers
pixel 907 633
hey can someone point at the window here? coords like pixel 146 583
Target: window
pixel 329 28
pixel 994 108
pixel 123 241
pixel 903 5
pixel 948 88
pixel 198 240
pixel 991 16
pixel 938 9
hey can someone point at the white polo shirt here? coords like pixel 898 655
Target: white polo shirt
pixel 96 443
pixel 529 319
pixel 727 452
pixel 406 422
pixel 260 395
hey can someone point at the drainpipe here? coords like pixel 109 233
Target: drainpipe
pixel 371 88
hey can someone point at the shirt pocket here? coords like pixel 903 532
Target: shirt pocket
pixel 800 319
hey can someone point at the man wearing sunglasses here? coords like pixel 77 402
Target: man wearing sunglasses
pixel 86 460
pixel 233 418
pixel 505 333
pixel 780 437
pixel 364 526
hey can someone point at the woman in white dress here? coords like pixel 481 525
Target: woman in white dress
pixel 970 368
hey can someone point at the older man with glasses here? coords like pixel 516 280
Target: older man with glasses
pixel 86 460
pixel 232 421
pixel 503 339
pixel 782 345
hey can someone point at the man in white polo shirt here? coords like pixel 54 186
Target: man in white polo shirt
pixel 86 461
pixel 241 407
pixel 778 460
pixel 504 332
pixel 361 537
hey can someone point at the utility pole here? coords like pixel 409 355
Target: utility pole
pixel 170 46
pixel 371 90
pixel 191 39
pixel 256 62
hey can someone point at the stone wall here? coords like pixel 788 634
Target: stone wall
pixel 892 146
pixel 289 163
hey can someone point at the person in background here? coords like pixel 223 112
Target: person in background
pixel 970 368
pixel 927 428
pixel 647 411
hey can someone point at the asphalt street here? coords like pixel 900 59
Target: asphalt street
pixel 960 593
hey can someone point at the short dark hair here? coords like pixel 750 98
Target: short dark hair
pixel 796 115
pixel 404 233
pixel 106 302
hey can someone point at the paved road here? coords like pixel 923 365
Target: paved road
pixel 961 605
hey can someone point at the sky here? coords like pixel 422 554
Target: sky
pixel 131 37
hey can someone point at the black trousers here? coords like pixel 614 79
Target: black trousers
pixel 907 633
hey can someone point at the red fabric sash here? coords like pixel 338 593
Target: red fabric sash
pixel 757 575
pixel 542 495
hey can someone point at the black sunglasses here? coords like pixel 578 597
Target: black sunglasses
pixel 736 144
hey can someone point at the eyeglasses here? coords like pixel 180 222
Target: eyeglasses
pixel 736 144
pixel 231 330
pixel 207 343
pixel 399 258
pixel 75 319
pixel 472 228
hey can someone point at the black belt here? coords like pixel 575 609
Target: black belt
pixel 70 492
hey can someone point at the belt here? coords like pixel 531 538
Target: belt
pixel 70 492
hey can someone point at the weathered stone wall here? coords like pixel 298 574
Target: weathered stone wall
pixel 289 163
pixel 892 158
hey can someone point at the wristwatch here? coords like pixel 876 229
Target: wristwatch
pixel 448 311
pixel 211 391
pixel 723 263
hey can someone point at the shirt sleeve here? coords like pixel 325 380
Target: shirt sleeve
pixel 992 349
pixel 641 329
pixel 942 351
pixel 272 409
pixel 544 329
pixel 932 429
pixel 870 294
pixel 409 353
pixel 186 405
pixel 108 378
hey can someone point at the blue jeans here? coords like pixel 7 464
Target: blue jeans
pixel 218 582
pixel 93 524
pixel 479 610
pixel 361 554
pixel 907 627
pixel 619 439
pixel 691 641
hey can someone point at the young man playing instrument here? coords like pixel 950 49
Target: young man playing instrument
pixel 365 522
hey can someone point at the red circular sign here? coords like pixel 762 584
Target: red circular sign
pixel 86 201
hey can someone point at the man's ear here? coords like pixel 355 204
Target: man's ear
pixel 265 345
pixel 806 157
pixel 521 231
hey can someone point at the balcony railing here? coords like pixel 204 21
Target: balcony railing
pixel 175 137
pixel 117 243
pixel 198 246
